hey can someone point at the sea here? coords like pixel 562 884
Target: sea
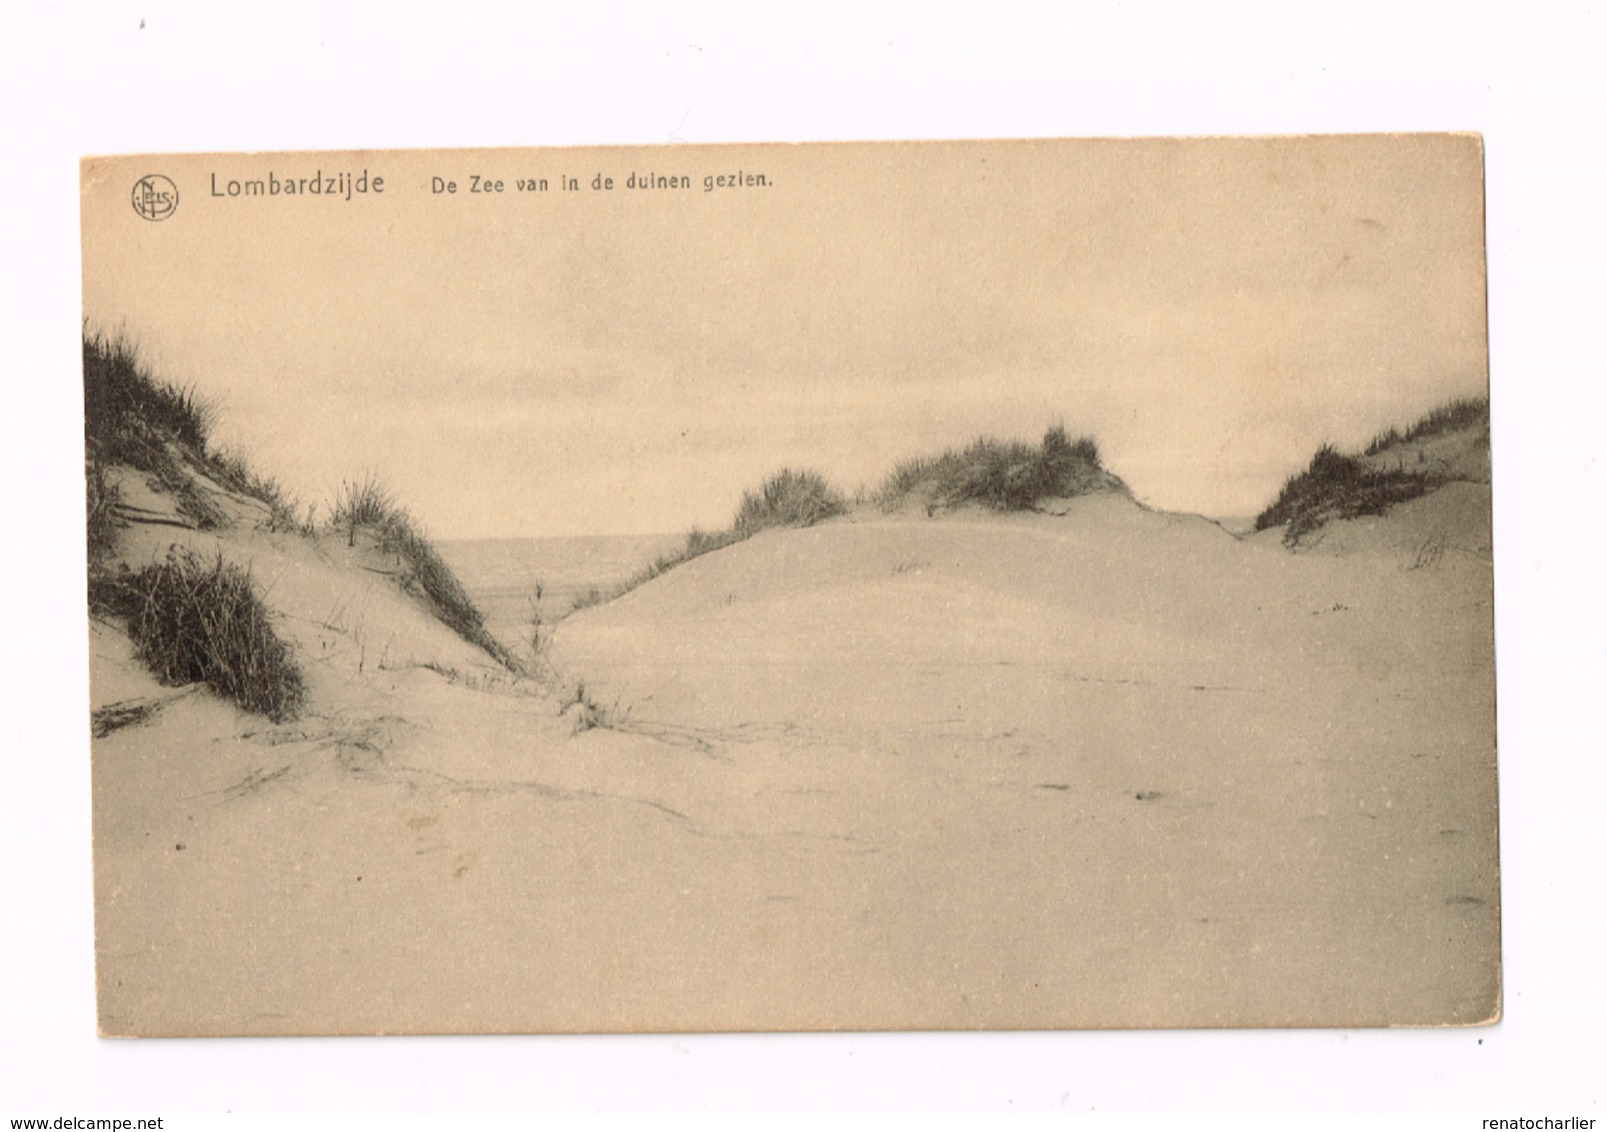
pixel 504 576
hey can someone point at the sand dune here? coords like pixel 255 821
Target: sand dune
pixel 1104 767
pixel 1111 768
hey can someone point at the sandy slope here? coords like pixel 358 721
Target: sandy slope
pixel 1103 768
pixel 1114 768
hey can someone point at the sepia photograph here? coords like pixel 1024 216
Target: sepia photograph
pixel 1034 584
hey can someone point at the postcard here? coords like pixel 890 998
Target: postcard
pixel 994 585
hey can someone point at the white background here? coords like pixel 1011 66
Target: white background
pixel 284 76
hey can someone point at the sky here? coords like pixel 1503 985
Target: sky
pixel 617 360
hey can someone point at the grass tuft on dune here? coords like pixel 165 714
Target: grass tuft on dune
pixel 790 498
pixel 1337 486
pixel 204 622
pixel 190 622
pixel 1463 412
pixel 135 419
pixel 366 505
pixel 128 413
pixel 1005 475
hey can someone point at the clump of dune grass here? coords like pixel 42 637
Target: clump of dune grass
pixel 790 498
pixel 1336 486
pixel 285 513
pixel 195 621
pixel 129 414
pixel 1005 475
pixel 366 505
pixel 362 503
pixel 135 419
pixel 152 426
pixel 1463 412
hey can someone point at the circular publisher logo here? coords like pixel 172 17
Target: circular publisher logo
pixel 155 197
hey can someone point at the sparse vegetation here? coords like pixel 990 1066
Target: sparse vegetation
pixel 589 715
pixel 361 503
pixel 1336 486
pixel 133 419
pixel 365 505
pixel 1464 412
pixel 203 622
pixel 191 622
pixel 594 595
pixel 789 498
pixel 195 622
pixel 285 512
pixel 127 713
pixel 540 640
pixel 101 500
pixel 1004 475
pixel 130 416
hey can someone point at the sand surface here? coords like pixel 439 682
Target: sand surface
pixel 1098 768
